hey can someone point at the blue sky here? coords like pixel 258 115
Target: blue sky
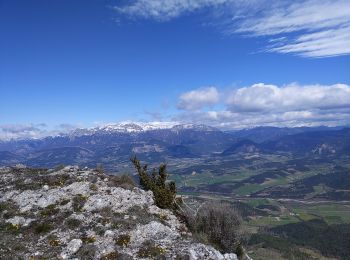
pixel 83 63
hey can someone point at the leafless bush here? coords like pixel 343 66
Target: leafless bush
pixel 99 168
pixel 216 223
pixel 125 181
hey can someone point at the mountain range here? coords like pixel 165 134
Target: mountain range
pixel 115 143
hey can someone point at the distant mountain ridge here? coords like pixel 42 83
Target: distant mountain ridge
pixel 138 127
pixel 155 142
pixel 268 133
pixel 117 142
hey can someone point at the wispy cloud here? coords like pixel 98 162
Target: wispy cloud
pixel 312 28
pixel 165 10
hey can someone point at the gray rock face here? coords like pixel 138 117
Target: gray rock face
pixel 72 247
pixel 76 214
pixel 19 221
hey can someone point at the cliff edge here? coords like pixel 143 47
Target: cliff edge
pixel 74 213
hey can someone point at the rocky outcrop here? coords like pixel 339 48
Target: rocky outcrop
pixel 74 213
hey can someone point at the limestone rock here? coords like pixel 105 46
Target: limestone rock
pixel 75 213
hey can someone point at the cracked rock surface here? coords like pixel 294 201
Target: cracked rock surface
pixel 74 213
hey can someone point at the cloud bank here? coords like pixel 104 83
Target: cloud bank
pixel 32 131
pixel 261 104
pixel 270 105
pixel 293 97
pixel 312 28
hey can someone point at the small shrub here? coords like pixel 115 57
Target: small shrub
pixel 88 239
pixel 123 240
pixel 64 202
pixel 49 211
pixel 56 180
pixel 87 251
pixel 100 168
pixel 239 251
pixel 110 256
pixel 73 223
pixel 216 223
pixel 42 227
pixel 164 192
pixel 92 178
pixel 163 218
pixel 12 228
pixel 19 247
pixel 125 181
pixel 150 250
pixel 8 210
pixel 93 187
pixel 100 230
pixel 106 212
pixel 54 242
pixel 79 202
pixel 3 206
pixel 59 167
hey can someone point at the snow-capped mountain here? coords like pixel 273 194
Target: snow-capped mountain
pixel 117 142
pixel 113 144
pixel 139 127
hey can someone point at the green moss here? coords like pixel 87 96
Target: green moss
pixel 88 239
pixel 87 251
pixel 150 250
pixel 73 223
pixel 56 180
pixel 54 242
pixel 42 227
pixel 111 256
pixel 8 210
pixel 64 202
pixel 49 211
pixel 11 228
pixel 123 240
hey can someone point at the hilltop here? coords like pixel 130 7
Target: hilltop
pixel 82 213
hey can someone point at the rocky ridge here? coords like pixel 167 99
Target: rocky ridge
pixel 74 213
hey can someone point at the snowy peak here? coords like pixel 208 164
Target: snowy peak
pixel 130 127
pixel 137 127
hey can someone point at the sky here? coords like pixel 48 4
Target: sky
pixel 226 63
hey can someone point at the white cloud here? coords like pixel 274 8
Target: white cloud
pixel 230 120
pixel 199 98
pixel 262 97
pixel 14 131
pixel 290 105
pixel 312 28
pixel 32 131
